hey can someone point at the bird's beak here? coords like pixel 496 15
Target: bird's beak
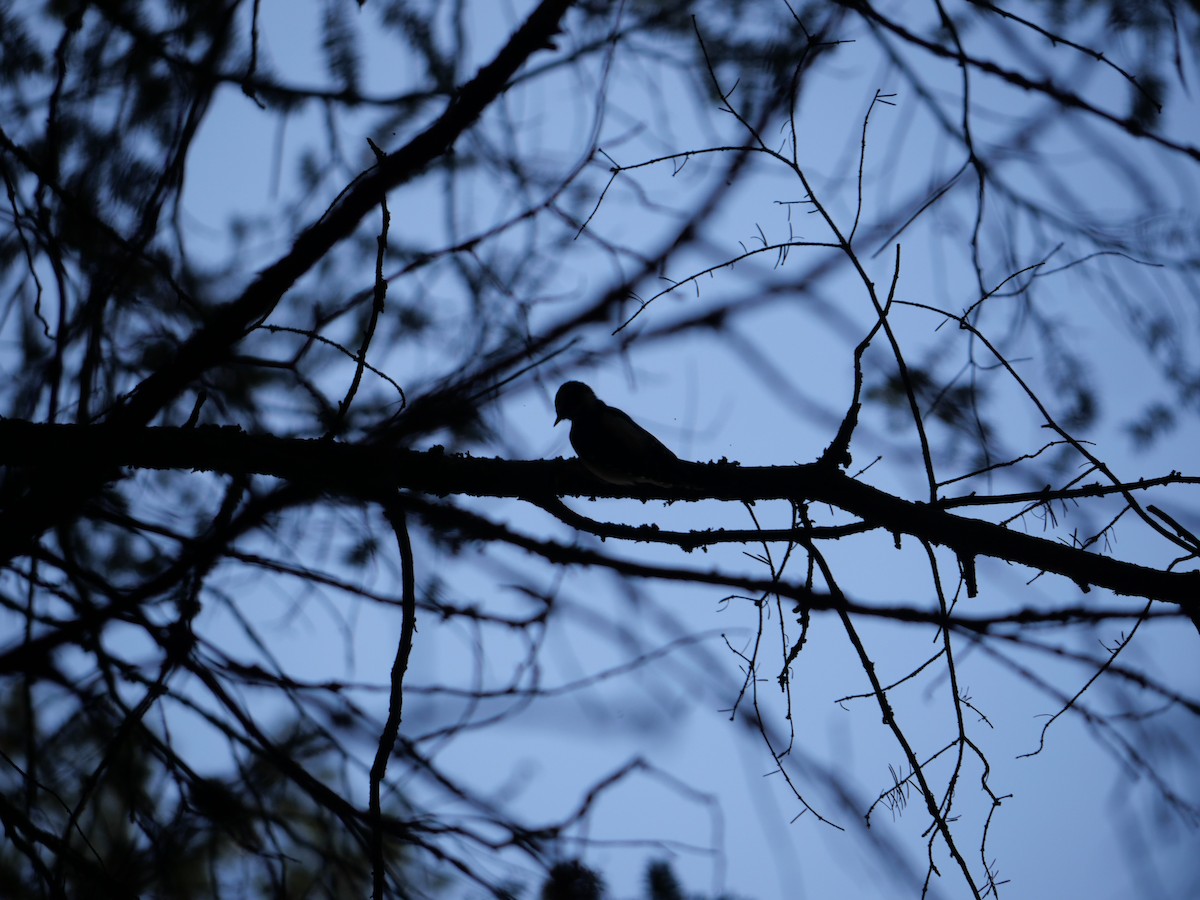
pixel 559 419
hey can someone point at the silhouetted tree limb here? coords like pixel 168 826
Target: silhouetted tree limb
pixel 327 467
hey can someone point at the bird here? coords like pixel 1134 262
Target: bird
pixel 614 448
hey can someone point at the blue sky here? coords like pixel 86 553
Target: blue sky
pixel 707 798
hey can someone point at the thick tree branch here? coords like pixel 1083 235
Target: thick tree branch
pixel 367 471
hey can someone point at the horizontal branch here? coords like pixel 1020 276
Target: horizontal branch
pixel 448 517
pixel 369 471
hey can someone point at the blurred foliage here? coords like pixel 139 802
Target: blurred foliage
pixel 105 282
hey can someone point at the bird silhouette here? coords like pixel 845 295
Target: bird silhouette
pixel 613 446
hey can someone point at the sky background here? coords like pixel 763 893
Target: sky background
pixel 706 796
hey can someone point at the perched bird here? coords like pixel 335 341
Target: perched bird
pixel 613 446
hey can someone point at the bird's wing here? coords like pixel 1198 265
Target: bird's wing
pixel 620 450
pixel 633 441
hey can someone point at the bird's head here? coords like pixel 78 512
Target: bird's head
pixel 573 398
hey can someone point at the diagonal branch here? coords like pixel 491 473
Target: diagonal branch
pixel 229 324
